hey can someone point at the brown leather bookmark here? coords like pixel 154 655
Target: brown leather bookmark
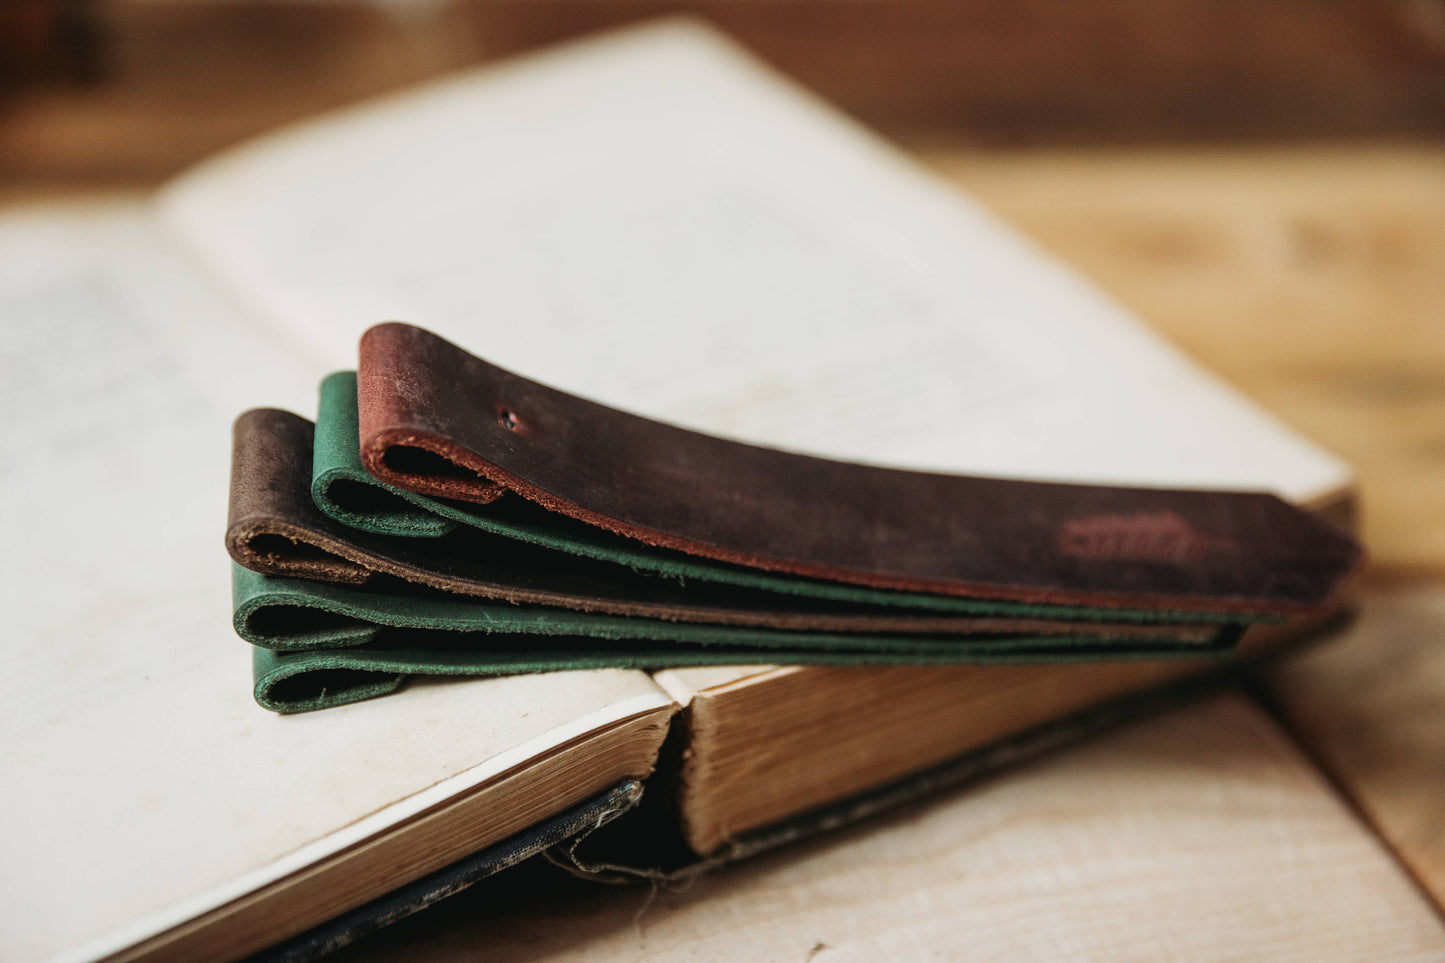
pixel 439 421
pixel 275 528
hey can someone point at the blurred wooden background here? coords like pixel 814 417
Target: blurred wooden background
pixel 1262 181
pixel 137 89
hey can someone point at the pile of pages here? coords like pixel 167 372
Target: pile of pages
pixel 443 516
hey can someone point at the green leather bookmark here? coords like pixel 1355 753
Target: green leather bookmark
pixel 347 493
pixel 301 681
pixel 295 614
pixel 319 644
pixel 317 680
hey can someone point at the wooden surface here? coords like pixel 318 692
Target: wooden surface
pixel 1370 706
pixel 172 81
pixel 1016 71
pixel 1313 278
pixel 1203 834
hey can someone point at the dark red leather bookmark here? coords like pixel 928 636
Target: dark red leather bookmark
pixel 437 420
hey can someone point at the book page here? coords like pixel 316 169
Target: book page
pixel 142 784
pixel 657 222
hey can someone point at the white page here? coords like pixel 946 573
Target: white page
pixel 141 782
pixel 655 221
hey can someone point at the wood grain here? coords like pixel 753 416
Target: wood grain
pixel 1199 835
pixel 1051 71
pixel 1315 280
pixel 1312 278
pixel 1370 705
pixel 175 81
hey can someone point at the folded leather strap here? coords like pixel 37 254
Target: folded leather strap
pixel 438 421
pixel 309 679
pixel 347 493
pixel 275 528
pixel 290 614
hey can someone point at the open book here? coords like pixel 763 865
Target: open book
pixel 651 220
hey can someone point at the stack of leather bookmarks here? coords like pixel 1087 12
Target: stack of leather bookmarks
pixel 443 516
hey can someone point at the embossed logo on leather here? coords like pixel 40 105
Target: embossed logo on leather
pixel 1145 537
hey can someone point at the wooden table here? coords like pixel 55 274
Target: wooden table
pixel 1315 280
pixel 1299 817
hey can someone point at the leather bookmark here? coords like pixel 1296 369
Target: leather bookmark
pixel 309 679
pixel 276 528
pixel 297 614
pixel 438 421
pixel 344 491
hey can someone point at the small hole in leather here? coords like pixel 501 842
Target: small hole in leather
pixel 508 418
